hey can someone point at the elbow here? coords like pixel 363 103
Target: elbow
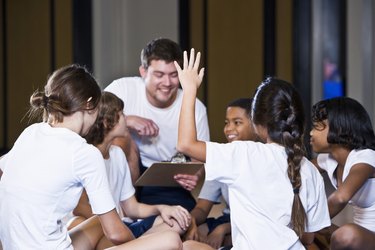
pixel 182 147
pixel 341 199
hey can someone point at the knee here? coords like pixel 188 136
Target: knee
pixel 174 240
pixel 345 237
pixel 189 245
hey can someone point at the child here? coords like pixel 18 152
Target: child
pixel 343 136
pixel 276 194
pixel 109 125
pixel 216 231
pixel 45 172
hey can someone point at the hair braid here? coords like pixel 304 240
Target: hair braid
pixel 278 107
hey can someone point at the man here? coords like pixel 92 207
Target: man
pixel 152 106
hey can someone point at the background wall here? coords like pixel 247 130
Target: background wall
pixel 36 38
pixel 122 28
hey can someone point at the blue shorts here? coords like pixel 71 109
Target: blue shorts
pixel 141 226
pixel 212 223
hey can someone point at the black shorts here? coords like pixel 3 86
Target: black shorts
pixel 141 226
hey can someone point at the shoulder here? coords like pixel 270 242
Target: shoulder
pixel 308 168
pixel 83 149
pixel 117 153
pixel 122 84
pixel 326 162
pixel 362 156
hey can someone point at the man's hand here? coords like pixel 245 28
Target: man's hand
pixel 142 126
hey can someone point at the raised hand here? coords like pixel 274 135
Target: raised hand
pixel 189 76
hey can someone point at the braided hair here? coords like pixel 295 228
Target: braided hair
pixel 278 107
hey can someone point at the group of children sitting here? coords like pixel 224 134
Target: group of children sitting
pixel 275 197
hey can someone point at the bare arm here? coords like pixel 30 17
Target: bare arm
pixel 307 239
pixel 129 147
pixel 187 134
pixel 201 211
pixel 356 178
pixel 114 229
pixel 198 216
pixel 137 210
pixel 83 207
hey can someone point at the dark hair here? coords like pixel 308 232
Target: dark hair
pixel 277 106
pixel 109 107
pixel 349 123
pixel 244 103
pixel 161 49
pixel 68 90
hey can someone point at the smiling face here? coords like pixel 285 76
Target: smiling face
pixel 238 125
pixel 318 139
pixel 162 83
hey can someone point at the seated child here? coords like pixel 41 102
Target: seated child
pixel 343 136
pixel 109 125
pixel 216 231
pixel 277 197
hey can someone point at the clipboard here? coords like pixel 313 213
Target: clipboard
pixel 162 173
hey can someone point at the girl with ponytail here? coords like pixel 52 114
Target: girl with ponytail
pixel 277 196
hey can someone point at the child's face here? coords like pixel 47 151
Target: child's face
pixel 238 126
pixel 120 129
pixel 318 139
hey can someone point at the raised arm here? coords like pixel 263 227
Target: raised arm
pixel 190 80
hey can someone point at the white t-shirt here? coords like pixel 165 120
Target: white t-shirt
pixel 213 191
pixel 119 176
pixel 363 200
pixel 132 90
pixel 44 175
pixel 261 195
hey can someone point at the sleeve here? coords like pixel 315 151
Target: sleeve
pixel 221 164
pixel 323 161
pixel 113 87
pixel 318 215
pixel 90 170
pixel 3 160
pixel 366 156
pixel 211 191
pixel 118 88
